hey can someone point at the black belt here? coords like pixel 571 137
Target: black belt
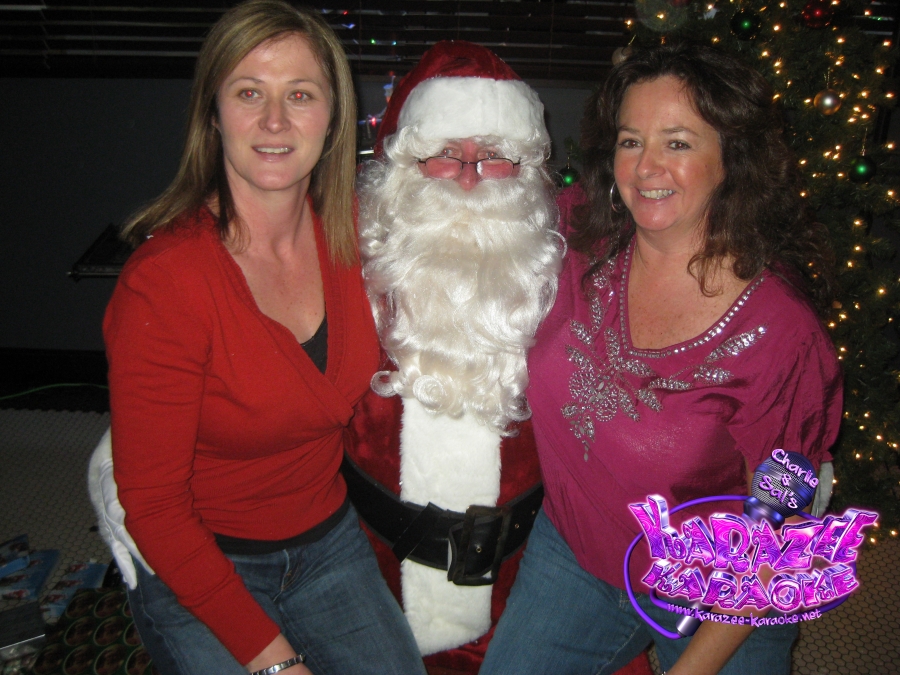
pixel 479 539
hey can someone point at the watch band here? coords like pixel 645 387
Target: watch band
pixel 271 670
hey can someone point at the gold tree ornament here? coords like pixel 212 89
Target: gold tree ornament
pixel 827 102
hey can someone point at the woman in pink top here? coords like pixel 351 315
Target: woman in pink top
pixel 684 346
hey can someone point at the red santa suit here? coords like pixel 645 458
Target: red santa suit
pixel 469 492
pixel 377 440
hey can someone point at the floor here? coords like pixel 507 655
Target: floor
pixel 43 463
pixel 43 473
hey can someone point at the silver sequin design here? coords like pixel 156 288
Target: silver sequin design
pixel 599 386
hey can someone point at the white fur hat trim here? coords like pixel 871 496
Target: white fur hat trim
pixel 465 107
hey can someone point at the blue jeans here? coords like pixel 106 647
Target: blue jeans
pixel 329 599
pixel 560 619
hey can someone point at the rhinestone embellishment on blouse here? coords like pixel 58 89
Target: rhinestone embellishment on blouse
pixel 600 384
pixel 702 340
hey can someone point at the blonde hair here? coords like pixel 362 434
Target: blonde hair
pixel 201 171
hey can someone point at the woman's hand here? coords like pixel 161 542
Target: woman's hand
pixel 710 649
pixel 278 651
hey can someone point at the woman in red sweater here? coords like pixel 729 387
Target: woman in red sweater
pixel 239 339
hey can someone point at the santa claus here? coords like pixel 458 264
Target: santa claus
pixel 460 255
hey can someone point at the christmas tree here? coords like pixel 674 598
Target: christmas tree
pixel 831 79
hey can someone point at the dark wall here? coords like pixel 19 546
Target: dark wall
pixel 81 154
pixel 77 155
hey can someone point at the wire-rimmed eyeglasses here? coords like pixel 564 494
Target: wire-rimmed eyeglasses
pixel 491 168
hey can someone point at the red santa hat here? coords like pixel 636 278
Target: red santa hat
pixel 461 90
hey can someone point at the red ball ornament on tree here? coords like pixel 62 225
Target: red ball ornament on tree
pixel 817 14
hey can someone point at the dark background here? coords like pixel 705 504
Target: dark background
pixel 95 95
pixel 79 154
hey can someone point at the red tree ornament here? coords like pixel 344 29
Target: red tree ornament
pixel 817 14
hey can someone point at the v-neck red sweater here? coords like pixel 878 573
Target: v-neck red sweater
pixel 220 421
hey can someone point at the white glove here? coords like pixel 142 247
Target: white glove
pixel 110 514
pixel 823 490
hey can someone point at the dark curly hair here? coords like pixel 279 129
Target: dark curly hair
pixel 756 215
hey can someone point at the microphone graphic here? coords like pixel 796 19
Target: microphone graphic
pixel 783 485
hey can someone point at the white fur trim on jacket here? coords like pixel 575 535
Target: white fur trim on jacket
pixel 110 514
pixel 452 463
pixel 465 107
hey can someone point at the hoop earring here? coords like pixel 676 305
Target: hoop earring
pixel 617 208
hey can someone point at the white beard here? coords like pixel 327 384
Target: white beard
pixel 459 282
